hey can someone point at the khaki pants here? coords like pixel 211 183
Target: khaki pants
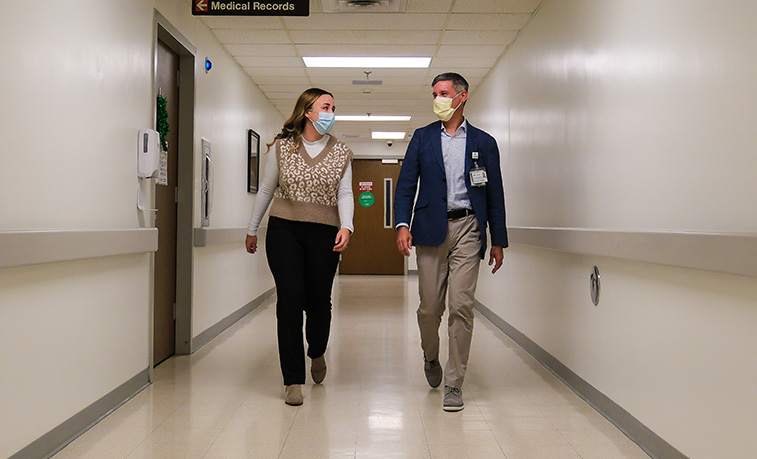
pixel 451 266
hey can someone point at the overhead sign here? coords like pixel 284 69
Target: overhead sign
pixel 251 8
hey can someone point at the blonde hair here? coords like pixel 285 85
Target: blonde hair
pixel 295 125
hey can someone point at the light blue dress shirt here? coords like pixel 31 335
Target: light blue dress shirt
pixel 453 152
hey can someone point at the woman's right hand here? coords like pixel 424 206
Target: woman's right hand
pixel 251 243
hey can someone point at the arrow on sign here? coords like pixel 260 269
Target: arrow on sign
pixel 201 5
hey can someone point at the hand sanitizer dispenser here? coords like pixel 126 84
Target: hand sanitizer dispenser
pixel 148 153
pixel 148 163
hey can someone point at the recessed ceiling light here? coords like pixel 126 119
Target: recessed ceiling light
pixel 367 62
pixel 372 118
pixel 388 135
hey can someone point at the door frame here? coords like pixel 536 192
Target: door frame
pixel 164 31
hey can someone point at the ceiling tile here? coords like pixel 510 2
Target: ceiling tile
pixel 251 36
pixel 242 22
pixel 428 6
pixel 283 88
pixel 496 6
pixel 315 6
pixel 256 71
pixel 269 61
pixel 358 37
pixel 377 21
pixel 470 51
pixel 462 62
pixel 261 80
pixel 357 91
pixel 261 50
pixel 476 37
pixel 472 73
pixel 367 50
pixel 459 21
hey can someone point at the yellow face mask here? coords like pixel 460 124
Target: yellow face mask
pixel 443 107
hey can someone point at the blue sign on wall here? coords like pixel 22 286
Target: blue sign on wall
pixel 251 8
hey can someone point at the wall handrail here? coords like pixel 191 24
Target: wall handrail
pixel 731 253
pixel 35 247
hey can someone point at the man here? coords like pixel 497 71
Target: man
pixel 460 192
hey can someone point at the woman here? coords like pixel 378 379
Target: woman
pixel 310 184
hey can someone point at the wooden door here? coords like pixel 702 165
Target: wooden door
pixel 373 247
pixel 164 326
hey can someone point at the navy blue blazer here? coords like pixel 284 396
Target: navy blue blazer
pixel 424 161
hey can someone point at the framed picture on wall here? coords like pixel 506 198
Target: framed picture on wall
pixel 253 161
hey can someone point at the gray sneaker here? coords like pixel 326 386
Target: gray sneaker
pixel 433 372
pixel 453 399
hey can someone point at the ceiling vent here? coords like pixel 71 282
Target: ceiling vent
pixel 364 6
pixel 367 79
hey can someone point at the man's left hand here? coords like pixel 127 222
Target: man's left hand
pixel 496 256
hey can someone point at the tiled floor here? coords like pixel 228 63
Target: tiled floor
pixel 226 400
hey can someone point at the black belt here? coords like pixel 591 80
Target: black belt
pixel 458 213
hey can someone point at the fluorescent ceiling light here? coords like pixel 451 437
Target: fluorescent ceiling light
pixel 368 62
pixel 372 118
pixel 388 135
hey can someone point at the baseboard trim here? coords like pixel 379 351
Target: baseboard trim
pixel 55 440
pixel 207 336
pixel 647 440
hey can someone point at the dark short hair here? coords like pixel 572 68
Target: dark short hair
pixel 458 82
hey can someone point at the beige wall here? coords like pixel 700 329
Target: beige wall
pixel 639 116
pixel 76 88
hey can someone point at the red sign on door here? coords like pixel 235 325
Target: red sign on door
pixel 365 186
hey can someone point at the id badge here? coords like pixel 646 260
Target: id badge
pixel 478 176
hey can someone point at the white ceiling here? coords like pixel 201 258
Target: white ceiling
pixel 464 36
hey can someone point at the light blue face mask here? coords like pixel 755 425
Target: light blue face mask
pixel 325 122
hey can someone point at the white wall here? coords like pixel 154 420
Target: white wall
pixel 225 276
pixel 74 95
pixel 634 115
pixel 75 91
pixel 71 333
pixel 77 87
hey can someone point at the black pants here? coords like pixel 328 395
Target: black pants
pixel 303 264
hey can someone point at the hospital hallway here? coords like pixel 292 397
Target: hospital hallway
pixel 226 400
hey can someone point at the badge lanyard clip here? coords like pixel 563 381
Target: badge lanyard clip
pixel 477 174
